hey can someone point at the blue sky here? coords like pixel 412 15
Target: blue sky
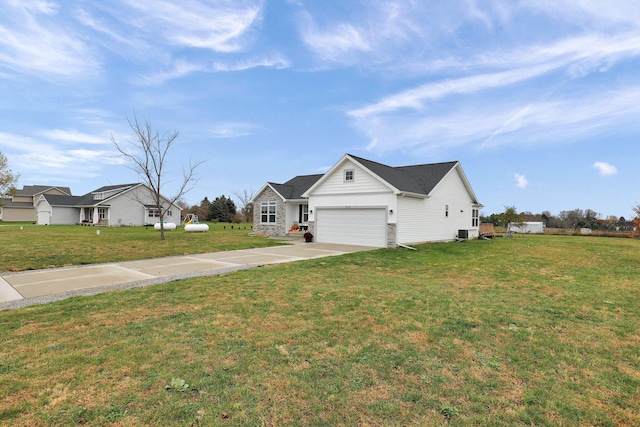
pixel 539 100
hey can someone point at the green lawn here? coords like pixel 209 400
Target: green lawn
pixel 34 247
pixel 537 330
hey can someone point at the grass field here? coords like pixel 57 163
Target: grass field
pixel 34 247
pixel 537 330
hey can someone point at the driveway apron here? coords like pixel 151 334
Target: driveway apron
pixel 33 287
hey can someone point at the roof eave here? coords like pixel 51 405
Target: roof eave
pixel 413 195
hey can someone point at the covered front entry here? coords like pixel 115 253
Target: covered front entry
pixel 355 226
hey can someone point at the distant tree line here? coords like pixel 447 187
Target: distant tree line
pixel 224 209
pixel 576 218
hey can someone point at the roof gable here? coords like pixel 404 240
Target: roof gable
pixel 33 190
pixel 419 180
pixel 294 188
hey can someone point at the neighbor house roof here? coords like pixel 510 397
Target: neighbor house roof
pixel 114 187
pixel 32 190
pixel 9 203
pixel 89 199
pixel 60 200
pixel 86 199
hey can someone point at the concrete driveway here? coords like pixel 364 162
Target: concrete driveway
pixel 40 286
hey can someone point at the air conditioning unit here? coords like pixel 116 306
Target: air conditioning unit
pixel 463 234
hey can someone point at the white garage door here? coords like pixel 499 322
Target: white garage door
pixel 365 227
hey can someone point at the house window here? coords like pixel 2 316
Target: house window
pixel 446 211
pixel 348 175
pixel 475 215
pixel 102 214
pixel 268 212
pixel 98 196
pixel 154 213
pixel 304 214
pixel 169 213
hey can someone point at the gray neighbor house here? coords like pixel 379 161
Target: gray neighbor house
pixel 114 205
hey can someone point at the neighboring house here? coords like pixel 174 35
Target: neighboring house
pixel 21 206
pixel 115 205
pixel 362 202
pixel 535 227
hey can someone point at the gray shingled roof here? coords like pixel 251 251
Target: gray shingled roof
pixel 8 203
pixel 32 190
pixel 295 187
pixel 86 199
pixel 59 200
pixel 114 187
pixel 419 179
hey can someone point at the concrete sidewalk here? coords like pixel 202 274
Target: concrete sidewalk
pixel 40 286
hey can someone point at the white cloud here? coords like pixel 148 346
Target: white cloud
pixel 73 136
pixel 605 169
pixel 521 181
pixel 179 69
pixel 504 121
pixel 217 25
pixel 232 130
pixel 276 61
pixel 61 162
pixel 183 68
pixel 36 45
pixel 335 43
pixel 415 98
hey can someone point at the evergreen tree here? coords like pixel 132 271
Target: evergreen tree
pixel 222 209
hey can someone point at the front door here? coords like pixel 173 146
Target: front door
pixel 303 215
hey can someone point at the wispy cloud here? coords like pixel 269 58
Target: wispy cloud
pixel 503 121
pixel 182 68
pixel 32 42
pixel 605 169
pixel 217 25
pixel 179 68
pixel 232 130
pixel 416 98
pixel 337 42
pixel 73 136
pixel 275 61
pixel 34 156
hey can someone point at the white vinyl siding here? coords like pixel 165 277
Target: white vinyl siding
pixel 362 183
pixel 358 226
pixel 424 220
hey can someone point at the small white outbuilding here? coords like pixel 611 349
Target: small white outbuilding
pixel 533 227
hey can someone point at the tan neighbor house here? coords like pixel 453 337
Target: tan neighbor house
pixel 21 206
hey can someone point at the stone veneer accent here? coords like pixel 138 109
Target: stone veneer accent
pixel 391 235
pixel 279 228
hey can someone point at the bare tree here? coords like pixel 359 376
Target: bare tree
pixel 8 179
pixel 246 207
pixel 636 220
pixel 148 157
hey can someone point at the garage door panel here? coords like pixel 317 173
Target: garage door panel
pixel 366 227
